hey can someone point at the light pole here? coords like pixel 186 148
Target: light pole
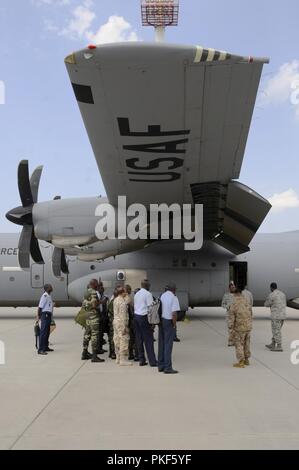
pixel 159 14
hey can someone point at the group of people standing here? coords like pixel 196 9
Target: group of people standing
pixel 124 317
pixel 238 302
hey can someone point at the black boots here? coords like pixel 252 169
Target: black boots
pixel 86 355
pixel 112 355
pixel 95 358
pixel 101 351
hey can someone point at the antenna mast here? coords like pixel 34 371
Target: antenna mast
pixel 159 14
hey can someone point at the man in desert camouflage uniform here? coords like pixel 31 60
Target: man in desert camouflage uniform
pixel 248 296
pixel 91 333
pixel 240 323
pixel 121 328
pixel 277 303
pixel 227 300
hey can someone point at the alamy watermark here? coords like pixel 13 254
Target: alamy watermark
pixel 156 222
pixel 295 353
pixel 2 353
pixel 295 92
pixel 2 92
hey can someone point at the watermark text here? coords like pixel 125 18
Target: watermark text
pixel 2 353
pixel 2 92
pixel 295 353
pixel 156 222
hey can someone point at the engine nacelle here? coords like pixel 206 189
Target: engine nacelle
pixel 67 222
pixel 105 249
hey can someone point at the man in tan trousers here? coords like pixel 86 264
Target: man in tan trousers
pixel 240 324
pixel 121 327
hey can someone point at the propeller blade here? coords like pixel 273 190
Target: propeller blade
pixel 20 216
pixel 59 263
pixel 34 182
pixel 56 262
pixel 64 265
pixel 24 247
pixel 24 184
pixel 35 250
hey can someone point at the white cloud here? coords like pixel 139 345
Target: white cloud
pixel 283 201
pixel 117 29
pixel 50 26
pixel 79 26
pixel 59 3
pixel 82 18
pixel 283 87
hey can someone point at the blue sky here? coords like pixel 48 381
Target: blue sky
pixel 40 119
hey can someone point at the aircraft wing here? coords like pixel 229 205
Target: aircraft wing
pixel 163 118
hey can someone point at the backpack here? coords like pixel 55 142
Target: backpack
pixel 80 318
pixel 155 312
pixel 36 334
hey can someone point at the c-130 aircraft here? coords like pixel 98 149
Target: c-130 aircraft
pixel 168 124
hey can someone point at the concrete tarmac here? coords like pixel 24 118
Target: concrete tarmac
pixel 59 402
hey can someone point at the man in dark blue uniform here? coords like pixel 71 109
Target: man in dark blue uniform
pixel 44 314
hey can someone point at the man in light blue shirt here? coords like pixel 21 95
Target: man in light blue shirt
pixel 167 329
pixel 44 314
pixel 144 334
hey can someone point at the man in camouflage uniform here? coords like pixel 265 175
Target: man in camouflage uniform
pixel 91 333
pixel 240 323
pixel 121 328
pixel 248 296
pixel 277 303
pixel 103 316
pixel 112 354
pixel 227 300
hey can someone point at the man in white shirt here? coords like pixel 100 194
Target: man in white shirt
pixel 144 334
pixel 44 314
pixel 167 328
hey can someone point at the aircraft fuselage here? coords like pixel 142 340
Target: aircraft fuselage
pixel 202 277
